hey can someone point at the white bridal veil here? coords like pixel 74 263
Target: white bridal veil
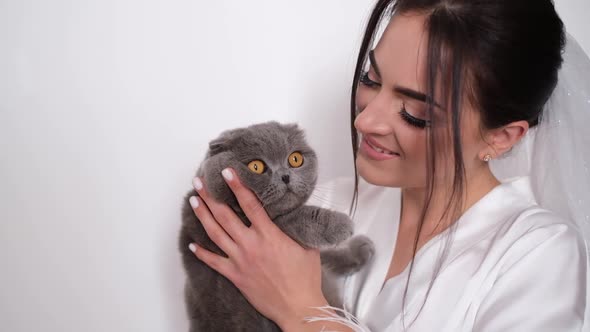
pixel 556 154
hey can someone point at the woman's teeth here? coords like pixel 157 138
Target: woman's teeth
pixel 380 150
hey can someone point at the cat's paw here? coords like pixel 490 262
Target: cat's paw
pixel 349 257
pixel 338 229
pixel 362 248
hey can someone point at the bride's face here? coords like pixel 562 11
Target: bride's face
pixel 393 119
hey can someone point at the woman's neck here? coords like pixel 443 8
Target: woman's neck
pixel 477 185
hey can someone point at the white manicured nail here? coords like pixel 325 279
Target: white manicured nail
pixel 227 174
pixel 194 202
pixel 192 247
pixel 197 184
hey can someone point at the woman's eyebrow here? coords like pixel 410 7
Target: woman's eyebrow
pixel 415 95
pixel 420 96
pixel 374 63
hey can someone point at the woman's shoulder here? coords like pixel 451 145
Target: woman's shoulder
pixel 536 226
pixel 537 260
pixel 536 231
pixel 515 200
pixel 509 228
pixel 531 219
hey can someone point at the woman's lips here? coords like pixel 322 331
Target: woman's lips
pixel 372 151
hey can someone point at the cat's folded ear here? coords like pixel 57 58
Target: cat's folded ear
pixel 292 126
pixel 225 140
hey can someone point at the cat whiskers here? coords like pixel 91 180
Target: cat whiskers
pixel 330 203
pixel 324 187
pixel 259 207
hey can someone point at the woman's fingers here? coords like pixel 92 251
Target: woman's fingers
pixel 222 213
pixel 220 264
pixel 215 232
pixel 247 200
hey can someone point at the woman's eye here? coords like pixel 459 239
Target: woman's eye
pixel 365 80
pixel 257 166
pixel 295 159
pixel 412 120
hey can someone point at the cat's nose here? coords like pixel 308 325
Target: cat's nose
pixel 285 178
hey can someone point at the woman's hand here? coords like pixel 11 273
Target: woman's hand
pixel 281 279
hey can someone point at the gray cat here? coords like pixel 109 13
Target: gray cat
pixel 277 164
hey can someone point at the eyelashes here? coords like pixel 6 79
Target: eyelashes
pixel 407 117
pixel 412 120
pixel 365 80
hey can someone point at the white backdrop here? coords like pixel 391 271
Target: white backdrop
pixel 106 108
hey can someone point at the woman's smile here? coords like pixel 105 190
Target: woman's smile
pixel 372 150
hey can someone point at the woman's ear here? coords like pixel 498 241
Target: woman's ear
pixel 502 139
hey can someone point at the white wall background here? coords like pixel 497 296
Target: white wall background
pixel 105 111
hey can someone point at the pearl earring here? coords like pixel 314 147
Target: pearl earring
pixel 487 158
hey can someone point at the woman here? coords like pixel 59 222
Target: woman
pixel 449 86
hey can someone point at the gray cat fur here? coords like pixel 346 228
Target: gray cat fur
pixel 213 303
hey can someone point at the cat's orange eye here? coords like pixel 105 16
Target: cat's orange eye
pixel 296 159
pixel 257 166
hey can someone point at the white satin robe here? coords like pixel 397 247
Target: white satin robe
pixel 513 266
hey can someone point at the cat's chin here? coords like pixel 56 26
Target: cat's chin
pixel 285 203
pixel 291 195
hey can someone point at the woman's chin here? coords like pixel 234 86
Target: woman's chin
pixel 379 174
pixel 372 173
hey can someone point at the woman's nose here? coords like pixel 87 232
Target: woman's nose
pixel 376 117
